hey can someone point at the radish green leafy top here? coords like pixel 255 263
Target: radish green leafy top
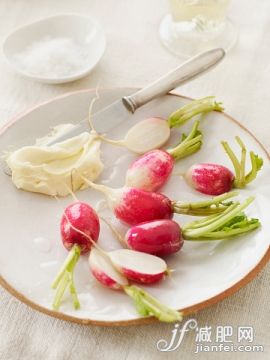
pixel 188 145
pixel 147 305
pixel 64 279
pixel 195 107
pixel 231 222
pixel 241 178
pixel 205 207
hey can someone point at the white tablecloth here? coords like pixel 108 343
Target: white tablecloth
pixel 134 57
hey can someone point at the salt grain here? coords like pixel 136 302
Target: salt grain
pixel 53 57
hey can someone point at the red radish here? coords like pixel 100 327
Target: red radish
pixel 138 266
pixel 159 237
pixel 104 271
pixel 133 205
pixel 210 179
pixel 152 170
pixel 83 217
pixel 79 229
pixel 136 206
pixel 214 179
pixel 130 264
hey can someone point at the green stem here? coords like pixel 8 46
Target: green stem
pixel 65 278
pixel 234 160
pixel 223 234
pixel 69 260
pixel 60 291
pixel 241 179
pixel 188 145
pixel 243 161
pixel 205 207
pixel 209 219
pixel 189 232
pixel 256 165
pixel 195 107
pixel 147 305
pixel 73 293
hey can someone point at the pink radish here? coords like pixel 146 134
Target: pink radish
pixel 79 229
pixel 159 237
pixel 83 217
pixel 138 266
pixel 133 205
pixel 152 170
pixel 214 179
pixel 104 271
pixel 210 179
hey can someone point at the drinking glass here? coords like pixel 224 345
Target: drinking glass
pixel 194 26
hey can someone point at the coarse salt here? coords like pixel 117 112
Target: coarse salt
pixel 53 57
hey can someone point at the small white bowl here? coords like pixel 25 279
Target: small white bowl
pixel 78 28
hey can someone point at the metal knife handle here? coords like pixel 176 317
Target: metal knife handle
pixel 183 73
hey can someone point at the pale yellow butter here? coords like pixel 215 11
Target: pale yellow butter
pixel 51 169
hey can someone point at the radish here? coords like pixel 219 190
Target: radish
pixel 153 169
pixel 158 237
pixel 210 179
pixel 138 266
pixel 83 217
pixel 104 271
pixel 148 134
pixel 133 265
pixel 79 230
pixel 154 132
pixel 214 179
pixel 134 206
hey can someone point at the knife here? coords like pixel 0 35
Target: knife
pixel 122 109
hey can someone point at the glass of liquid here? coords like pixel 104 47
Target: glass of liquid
pixel 194 26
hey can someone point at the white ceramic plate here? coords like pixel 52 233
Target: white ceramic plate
pixel 81 29
pixel 32 252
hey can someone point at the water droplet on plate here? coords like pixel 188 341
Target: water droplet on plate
pixel 42 244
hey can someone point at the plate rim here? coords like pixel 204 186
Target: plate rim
pixel 147 320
